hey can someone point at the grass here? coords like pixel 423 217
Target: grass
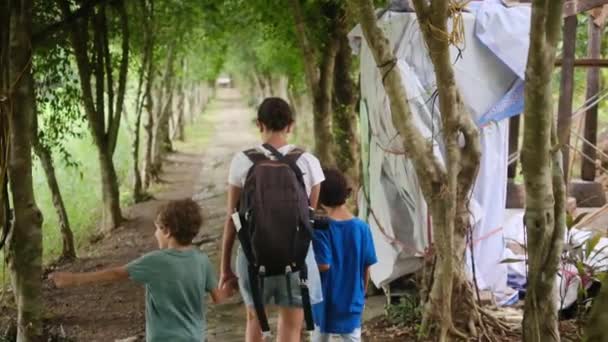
pixel 200 131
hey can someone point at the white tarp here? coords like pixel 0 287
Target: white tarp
pixel 397 211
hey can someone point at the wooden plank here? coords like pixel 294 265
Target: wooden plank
pixel 593 87
pixel 513 144
pixel 566 93
pixel 573 7
pixel 586 62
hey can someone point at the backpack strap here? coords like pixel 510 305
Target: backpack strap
pixel 306 305
pixel 255 155
pixel 290 159
pixel 256 283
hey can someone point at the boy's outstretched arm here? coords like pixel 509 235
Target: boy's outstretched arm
pixel 66 279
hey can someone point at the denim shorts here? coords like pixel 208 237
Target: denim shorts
pixel 280 290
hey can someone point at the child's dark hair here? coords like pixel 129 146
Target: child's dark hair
pixel 181 218
pixel 275 114
pixel 334 189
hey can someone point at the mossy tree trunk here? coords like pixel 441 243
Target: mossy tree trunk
pixel 68 251
pixel 18 107
pixel 541 164
pixel 162 142
pixel 345 120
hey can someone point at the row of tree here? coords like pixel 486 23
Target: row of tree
pixel 142 65
pixel 109 65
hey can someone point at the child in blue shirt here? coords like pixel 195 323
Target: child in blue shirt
pixel 344 254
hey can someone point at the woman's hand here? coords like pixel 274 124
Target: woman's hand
pixel 228 280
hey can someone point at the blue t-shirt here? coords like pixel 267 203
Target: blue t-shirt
pixel 348 248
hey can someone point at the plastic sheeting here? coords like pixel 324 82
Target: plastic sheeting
pixel 391 199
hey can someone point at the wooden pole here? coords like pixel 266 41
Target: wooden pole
pixel 513 144
pixel 564 119
pixel 586 62
pixel 593 86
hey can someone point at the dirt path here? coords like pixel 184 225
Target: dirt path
pixel 116 311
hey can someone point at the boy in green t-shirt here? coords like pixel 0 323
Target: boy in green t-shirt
pixel 177 277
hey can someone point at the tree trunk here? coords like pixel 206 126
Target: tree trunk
pixel 94 105
pixel 596 324
pixel 24 248
pixel 149 172
pixel 178 133
pixel 513 144
pixel 319 79
pixel 541 164
pixel 118 105
pixel 322 106
pixel 451 310
pixel 46 160
pixel 345 117
pixel 144 100
pixel 162 142
pixel 112 216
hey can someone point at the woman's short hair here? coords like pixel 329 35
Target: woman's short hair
pixel 275 114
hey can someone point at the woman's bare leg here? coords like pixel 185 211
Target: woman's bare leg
pixel 254 332
pixel 290 324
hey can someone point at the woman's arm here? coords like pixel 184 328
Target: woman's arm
pixel 314 196
pixel 66 279
pixel 366 279
pixel 229 236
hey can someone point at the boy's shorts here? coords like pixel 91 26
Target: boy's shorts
pixel 318 336
pixel 275 287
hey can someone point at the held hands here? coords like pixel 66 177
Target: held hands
pixel 231 287
pixel 228 282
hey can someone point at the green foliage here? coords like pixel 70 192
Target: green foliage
pixel 58 99
pixel 81 187
pixel 408 312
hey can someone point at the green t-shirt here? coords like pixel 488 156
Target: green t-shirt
pixel 177 283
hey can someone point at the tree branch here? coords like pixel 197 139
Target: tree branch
pixel 425 163
pixel 122 76
pixel 99 72
pixel 79 37
pixel 67 20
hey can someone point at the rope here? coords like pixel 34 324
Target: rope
pixel 591 102
pixel 587 157
pixel 590 144
pixel 456 36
